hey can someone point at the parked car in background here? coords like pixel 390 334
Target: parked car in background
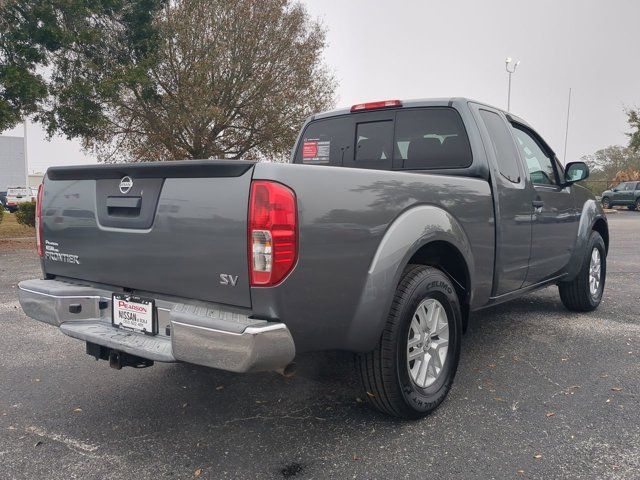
pixel 393 221
pixel 18 195
pixel 624 194
pixel 3 199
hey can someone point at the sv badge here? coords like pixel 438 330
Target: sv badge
pixel 226 279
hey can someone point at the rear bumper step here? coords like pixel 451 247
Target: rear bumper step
pixel 209 335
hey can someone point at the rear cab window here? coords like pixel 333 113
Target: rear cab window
pixel 422 138
pixel 325 142
pixel 431 138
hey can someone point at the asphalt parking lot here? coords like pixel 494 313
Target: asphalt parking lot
pixel 540 393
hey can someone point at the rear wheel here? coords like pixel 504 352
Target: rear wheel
pixel 584 292
pixel 637 204
pixel 606 203
pixel 411 370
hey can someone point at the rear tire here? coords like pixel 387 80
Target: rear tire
pixel 412 369
pixel 584 292
pixel 606 203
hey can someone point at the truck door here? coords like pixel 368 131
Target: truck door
pixel 555 219
pixel 626 195
pixel 512 201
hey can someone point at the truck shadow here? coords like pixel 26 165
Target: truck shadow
pixel 197 417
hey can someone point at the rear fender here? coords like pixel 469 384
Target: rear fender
pixel 409 232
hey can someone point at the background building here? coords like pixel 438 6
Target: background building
pixel 35 179
pixel 13 169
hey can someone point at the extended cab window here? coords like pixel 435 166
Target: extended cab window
pixel 430 138
pixel 324 142
pixel 539 163
pixel 503 146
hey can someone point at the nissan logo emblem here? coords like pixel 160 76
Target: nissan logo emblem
pixel 125 185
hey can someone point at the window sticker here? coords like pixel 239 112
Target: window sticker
pixel 315 150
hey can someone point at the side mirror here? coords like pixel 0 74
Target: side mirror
pixel 575 172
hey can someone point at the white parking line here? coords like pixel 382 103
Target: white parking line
pixel 69 442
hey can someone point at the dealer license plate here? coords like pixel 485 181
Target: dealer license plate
pixel 133 313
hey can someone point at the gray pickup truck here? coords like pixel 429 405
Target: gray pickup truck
pixel 392 222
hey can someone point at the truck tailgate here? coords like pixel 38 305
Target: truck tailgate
pixel 171 228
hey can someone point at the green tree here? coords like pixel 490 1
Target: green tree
pixel 607 163
pixel 633 117
pixel 26 214
pixel 142 80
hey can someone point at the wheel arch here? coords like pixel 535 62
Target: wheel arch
pixel 426 235
pixel 601 226
pixel 592 218
pixel 446 257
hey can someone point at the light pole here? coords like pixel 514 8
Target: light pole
pixel 26 159
pixel 511 69
pixel 566 132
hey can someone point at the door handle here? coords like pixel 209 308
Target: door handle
pixel 537 205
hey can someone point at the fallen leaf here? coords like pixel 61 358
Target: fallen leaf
pixel 36 379
pixel 616 389
pixel 219 387
pixel 564 359
pixel 184 405
pixel 537 456
pixel 38 443
pixel 355 457
pixel 608 400
pixel 492 365
pixel 77 409
pixel 520 472
pixel 371 394
pixel 198 472
pixel 551 414
pixel 499 399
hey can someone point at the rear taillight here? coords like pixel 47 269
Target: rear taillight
pixel 39 243
pixel 273 232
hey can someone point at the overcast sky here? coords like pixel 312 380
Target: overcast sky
pixel 424 48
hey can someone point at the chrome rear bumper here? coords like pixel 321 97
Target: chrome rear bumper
pixel 203 334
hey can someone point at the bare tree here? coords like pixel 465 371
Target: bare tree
pixel 181 79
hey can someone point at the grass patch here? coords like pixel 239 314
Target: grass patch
pixel 10 228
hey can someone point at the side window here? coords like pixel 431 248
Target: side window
pixel 374 141
pixel 324 142
pixel 630 186
pixel 503 146
pixel 538 162
pixel 431 138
